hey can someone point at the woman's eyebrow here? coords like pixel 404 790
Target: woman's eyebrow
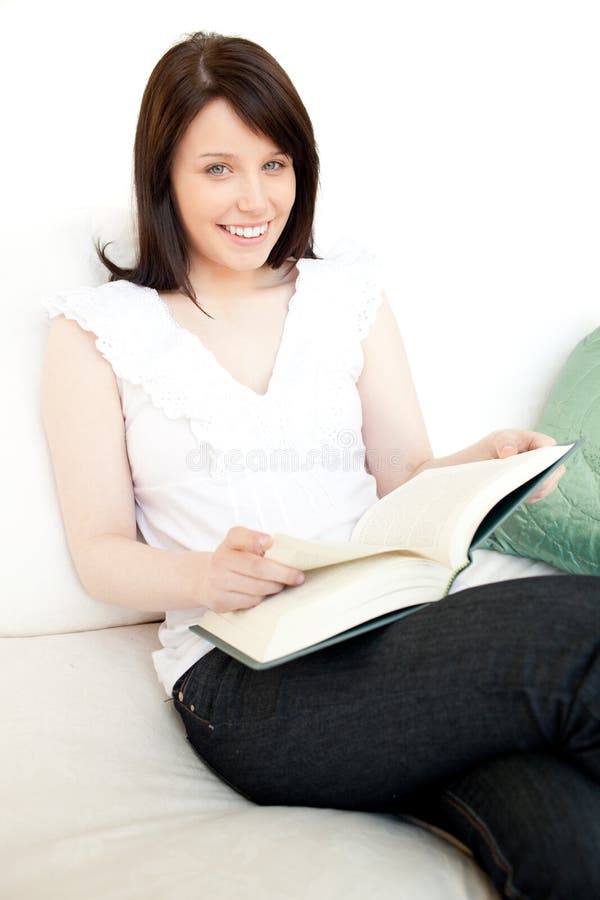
pixel 232 155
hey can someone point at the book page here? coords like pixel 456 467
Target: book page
pixel 331 598
pixel 306 555
pixel 432 516
pixel 436 513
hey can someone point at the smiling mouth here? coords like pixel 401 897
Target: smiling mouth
pixel 261 230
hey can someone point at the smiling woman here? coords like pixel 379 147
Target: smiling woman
pixel 213 427
pixel 253 195
pixel 266 173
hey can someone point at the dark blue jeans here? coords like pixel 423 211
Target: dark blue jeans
pixel 478 714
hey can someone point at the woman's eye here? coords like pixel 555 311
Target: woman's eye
pixel 221 166
pixel 216 166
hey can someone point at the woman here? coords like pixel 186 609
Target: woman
pixel 228 338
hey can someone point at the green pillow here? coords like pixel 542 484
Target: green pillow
pixel 563 529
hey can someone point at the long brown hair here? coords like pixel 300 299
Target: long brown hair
pixel 193 72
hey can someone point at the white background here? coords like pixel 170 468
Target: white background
pixel 459 140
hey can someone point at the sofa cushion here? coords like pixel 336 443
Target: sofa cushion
pixel 103 796
pixel 563 529
pixel 41 591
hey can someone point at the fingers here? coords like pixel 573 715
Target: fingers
pixel 240 577
pixel 254 587
pixel 538 439
pixel 509 441
pixel 547 486
pixel 506 450
pixel 251 544
pixel 240 538
pixel 262 571
pixel 238 586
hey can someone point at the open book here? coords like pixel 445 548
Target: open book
pixel 406 550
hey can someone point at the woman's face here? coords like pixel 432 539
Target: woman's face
pixel 253 186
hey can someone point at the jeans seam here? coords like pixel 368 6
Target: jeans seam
pixel 191 712
pixel 181 703
pixel 509 886
pixel 186 678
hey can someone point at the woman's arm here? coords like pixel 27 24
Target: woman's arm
pixel 394 430
pixel 498 445
pixel 127 572
pixel 85 433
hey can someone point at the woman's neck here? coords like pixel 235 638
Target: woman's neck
pixel 233 296
pixel 230 286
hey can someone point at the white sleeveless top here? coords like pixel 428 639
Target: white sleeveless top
pixel 207 452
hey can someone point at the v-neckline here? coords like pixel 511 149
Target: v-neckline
pixel 190 336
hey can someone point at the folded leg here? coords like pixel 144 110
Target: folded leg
pixel 531 820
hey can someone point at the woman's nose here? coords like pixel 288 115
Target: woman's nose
pixel 252 195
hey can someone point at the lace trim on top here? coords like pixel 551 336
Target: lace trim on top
pixel 144 344
pixel 362 268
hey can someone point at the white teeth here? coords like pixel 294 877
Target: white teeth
pixel 247 232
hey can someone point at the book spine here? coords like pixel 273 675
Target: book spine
pixel 454 575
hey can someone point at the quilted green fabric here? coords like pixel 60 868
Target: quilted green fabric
pixel 563 529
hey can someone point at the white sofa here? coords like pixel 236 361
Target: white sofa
pixel 102 796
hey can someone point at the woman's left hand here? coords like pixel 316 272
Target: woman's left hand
pixel 509 441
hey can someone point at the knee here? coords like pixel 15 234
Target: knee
pixel 532 822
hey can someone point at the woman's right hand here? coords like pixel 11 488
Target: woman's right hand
pixel 238 575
